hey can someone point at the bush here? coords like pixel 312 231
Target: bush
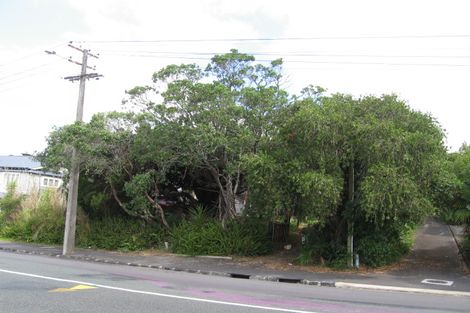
pixel 39 219
pixel 9 204
pixel 120 234
pixel 378 249
pixel 201 235
pixel 466 248
pixel 319 248
pixel 375 247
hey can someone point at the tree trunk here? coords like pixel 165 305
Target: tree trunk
pixel 226 197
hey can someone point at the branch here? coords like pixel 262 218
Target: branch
pixel 159 209
pixel 115 196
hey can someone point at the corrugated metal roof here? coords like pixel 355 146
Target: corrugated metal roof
pixel 19 162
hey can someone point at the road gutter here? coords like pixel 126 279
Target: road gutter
pixel 271 278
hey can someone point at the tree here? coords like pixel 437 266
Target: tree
pixel 192 128
pixel 459 204
pixel 215 116
pixel 366 163
pixel 106 150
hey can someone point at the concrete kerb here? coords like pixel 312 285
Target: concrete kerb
pixel 88 258
pixel 402 289
pixel 270 278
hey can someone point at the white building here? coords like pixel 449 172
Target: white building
pixel 27 173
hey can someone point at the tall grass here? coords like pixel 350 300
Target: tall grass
pixel 40 218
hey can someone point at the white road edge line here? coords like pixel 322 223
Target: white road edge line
pixel 154 293
pixel 403 289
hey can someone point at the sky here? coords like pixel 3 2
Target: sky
pixel 419 50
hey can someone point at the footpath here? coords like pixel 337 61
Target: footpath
pixel 433 266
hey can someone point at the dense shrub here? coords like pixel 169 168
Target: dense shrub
pixel 466 248
pixel 201 235
pixel 120 234
pixel 9 204
pixel 375 247
pixel 320 249
pixel 39 219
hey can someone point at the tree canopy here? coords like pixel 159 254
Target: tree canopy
pixel 209 135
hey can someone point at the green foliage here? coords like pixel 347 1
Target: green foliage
pixel 466 248
pixel 206 121
pixel 230 129
pixel 138 189
pixel 201 235
pixel 379 248
pixel 290 189
pixel 320 248
pixel 375 247
pixel 391 196
pixel 120 234
pixel 446 192
pixel 41 219
pixel 462 216
pixel 10 203
pixel 455 199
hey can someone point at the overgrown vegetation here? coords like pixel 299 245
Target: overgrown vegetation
pixel 202 235
pixel 40 218
pixel 120 234
pixel 455 200
pixel 466 248
pixel 36 218
pixel 227 134
pixel 10 204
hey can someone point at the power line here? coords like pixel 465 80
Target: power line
pixel 440 36
pixel 28 56
pixel 20 78
pixel 69 59
pixel 13 87
pixel 24 71
pixel 295 54
pixel 301 61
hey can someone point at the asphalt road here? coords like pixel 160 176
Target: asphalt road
pixel 42 284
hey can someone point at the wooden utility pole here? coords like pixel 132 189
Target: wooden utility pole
pixel 71 214
pixel 350 242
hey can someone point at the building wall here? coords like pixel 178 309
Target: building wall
pixel 26 182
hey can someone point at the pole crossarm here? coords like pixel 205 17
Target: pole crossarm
pixel 83 50
pixel 86 76
pixel 78 63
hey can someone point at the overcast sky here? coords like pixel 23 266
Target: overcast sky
pixel 419 50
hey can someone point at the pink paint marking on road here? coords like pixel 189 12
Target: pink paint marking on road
pixel 150 279
pixel 286 303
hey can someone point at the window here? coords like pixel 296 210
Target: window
pixel 50 182
pixel 11 177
